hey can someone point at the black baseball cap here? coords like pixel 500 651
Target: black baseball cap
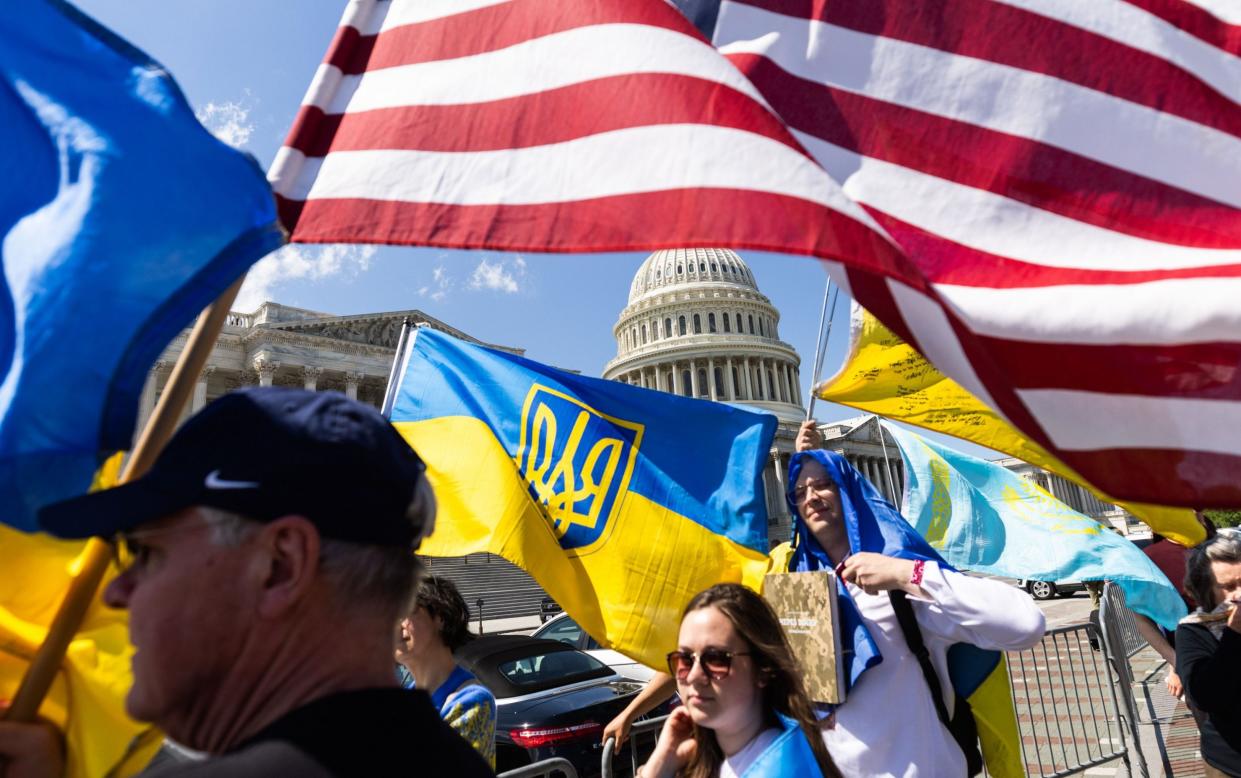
pixel 267 452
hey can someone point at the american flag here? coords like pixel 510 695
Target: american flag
pixel 1043 195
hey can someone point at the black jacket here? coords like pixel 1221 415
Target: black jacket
pixel 1211 672
pixel 374 732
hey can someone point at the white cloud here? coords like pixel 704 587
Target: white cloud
pixel 440 284
pixel 228 121
pixel 298 261
pixel 503 275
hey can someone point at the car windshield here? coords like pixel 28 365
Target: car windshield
pixel 563 629
pixel 567 631
pixel 556 668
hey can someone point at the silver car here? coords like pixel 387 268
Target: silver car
pixel 566 630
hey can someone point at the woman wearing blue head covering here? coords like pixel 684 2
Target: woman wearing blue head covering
pixel 888 724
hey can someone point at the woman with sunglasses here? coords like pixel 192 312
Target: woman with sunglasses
pixel 745 713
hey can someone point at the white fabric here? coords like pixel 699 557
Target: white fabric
pixel 888 725
pixel 735 766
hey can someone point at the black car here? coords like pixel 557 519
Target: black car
pixel 548 609
pixel 551 699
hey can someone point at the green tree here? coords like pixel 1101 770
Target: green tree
pixel 1223 518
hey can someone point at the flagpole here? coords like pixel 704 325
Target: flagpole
pixel 887 466
pixel 93 563
pixel 820 348
pixel 398 360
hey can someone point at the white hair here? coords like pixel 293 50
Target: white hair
pixel 362 573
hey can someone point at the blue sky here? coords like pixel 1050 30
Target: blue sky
pixel 245 66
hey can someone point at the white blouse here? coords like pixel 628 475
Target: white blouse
pixel 888 725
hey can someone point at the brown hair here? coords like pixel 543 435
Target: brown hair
pixel 441 600
pixel 756 624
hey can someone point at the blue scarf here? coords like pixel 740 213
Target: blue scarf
pixel 872 524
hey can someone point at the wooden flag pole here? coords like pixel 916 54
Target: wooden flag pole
pixel 98 552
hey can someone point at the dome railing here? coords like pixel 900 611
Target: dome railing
pixel 720 340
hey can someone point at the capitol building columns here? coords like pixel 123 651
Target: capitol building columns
pixel 696 325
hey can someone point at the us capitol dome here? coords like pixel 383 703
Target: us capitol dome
pixel 697 325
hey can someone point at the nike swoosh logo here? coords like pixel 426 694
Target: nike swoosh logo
pixel 214 481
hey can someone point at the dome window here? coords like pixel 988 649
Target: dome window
pixel 715 268
pixel 702 267
pixel 643 334
pixel 726 327
pixel 711 322
pixel 703 390
pixel 680 269
pixel 681 325
pixel 751 324
pixel 668 327
pixel 658 274
pixel 719 383
pixel 739 328
pixel 697 324
pixel 687 388
pixel 760 327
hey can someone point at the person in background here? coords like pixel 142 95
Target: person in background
pixel 435 627
pixel 1170 558
pixel 1208 649
pixel 745 711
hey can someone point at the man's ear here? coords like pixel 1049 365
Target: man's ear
pixel 290 563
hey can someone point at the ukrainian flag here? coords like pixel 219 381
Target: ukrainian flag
pixel 622 502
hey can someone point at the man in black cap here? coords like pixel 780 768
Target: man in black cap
pixel 265 559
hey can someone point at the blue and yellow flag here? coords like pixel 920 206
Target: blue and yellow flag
pixel 121 219
pixel 622 502
pixel 983 517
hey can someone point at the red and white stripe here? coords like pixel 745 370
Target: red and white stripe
pixel 592 125
pixel 1043 195
pixel 1066 178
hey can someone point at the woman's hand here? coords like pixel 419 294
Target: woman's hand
pixel 675 748
pixel 1173 682
pixel 876 573
pixel 1234 618
pixel 618 728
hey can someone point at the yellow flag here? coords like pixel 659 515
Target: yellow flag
pixel 888 377
pixel 87 699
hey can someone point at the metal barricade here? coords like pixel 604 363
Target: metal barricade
pixel 547 768
pixel 642 738
pixel 1119 626
pixel 1120 629
pixel 1069 712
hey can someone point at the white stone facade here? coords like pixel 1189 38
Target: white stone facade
pixel 284 346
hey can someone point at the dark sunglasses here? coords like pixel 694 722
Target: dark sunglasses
pixel 716 662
